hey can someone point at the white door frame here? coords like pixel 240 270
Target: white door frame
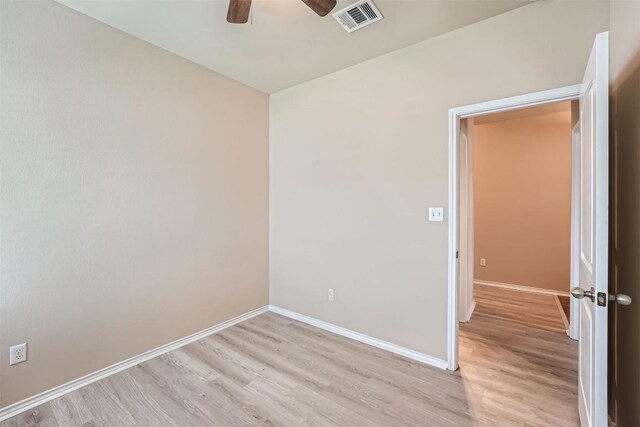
pixel 567 93
pixel 574 311
pixel 466 301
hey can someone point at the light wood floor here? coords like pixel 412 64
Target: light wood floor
pixel 517 361
pixel 517 368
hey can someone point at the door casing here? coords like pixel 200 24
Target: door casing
pixel 567 93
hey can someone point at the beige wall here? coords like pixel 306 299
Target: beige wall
pixel 357 158
pixel 625 253
pixel 134 189
pixel 522 201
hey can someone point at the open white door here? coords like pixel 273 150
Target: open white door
pixel 594 237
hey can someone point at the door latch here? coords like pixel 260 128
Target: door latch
pixel 580 293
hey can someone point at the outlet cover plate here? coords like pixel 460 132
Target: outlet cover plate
pixel 436 214
pixel 18 354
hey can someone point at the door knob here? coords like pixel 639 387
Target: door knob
pixel 621 299
pixel 580 293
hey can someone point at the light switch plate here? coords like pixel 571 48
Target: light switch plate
pixel 436 214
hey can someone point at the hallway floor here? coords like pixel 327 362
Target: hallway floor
pixel 516 360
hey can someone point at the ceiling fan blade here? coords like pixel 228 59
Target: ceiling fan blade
pixel 238 12
pixel 321 7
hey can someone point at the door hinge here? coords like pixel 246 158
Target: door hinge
pixel 457 254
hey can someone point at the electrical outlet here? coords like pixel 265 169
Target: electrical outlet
pixel 330 295
pixel 483 262
pixel 18 354
pixel 436 214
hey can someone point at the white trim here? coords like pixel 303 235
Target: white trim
pixel 465 226
pixel 531 289
pixel 562 313
pixel 574 312
pixel 455 114
pixel 598 72
pixel 566 93
pixel 39 399
pixel 366 339
pixel 470 312
pixel 452 292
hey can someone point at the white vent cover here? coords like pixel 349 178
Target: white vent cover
pixel 358 15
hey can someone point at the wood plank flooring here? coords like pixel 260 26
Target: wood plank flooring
pixel 517 368
pixel 515 353
pixel 566 305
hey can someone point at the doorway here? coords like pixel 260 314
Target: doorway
pixel 516 223
pixel 518 176
pixel 593 209
pixel 461 256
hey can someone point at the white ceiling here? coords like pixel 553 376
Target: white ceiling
pixel 285 43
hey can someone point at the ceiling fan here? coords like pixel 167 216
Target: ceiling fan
pixel 238 12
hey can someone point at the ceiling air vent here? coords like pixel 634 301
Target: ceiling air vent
pixel 358 15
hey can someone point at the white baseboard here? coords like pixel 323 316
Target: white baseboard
pixel 470 311
pixel 565 321
pixel 39 399
pixel 366 339
pixel 522 288
pixel 46 396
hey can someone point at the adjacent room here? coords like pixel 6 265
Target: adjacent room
pixel 518 178
pixel 522 218
pixel 318 212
